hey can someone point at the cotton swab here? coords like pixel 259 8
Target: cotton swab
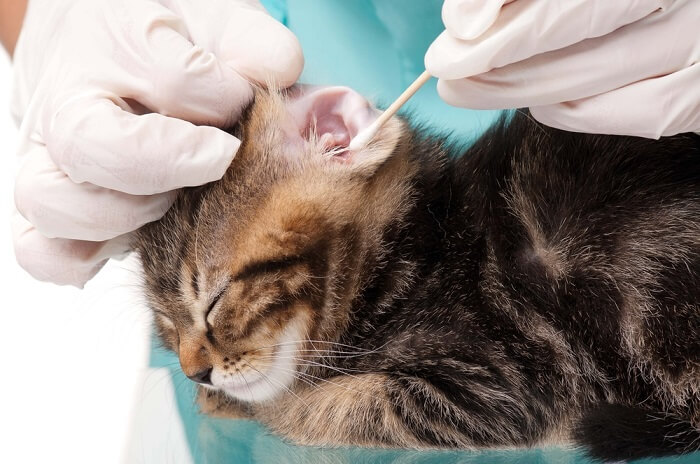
pixel 365 136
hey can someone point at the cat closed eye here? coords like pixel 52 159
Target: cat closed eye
pixel 214 302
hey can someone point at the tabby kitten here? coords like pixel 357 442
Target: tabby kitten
pixel 540 288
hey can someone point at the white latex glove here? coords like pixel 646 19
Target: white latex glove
pixel 599 66
pixel 103 89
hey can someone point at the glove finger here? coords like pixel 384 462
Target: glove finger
pixel 93 140
pixel 468 19
pixel 61 261
pixel 586 68
pixel 528 28
pixel 59 207
pixel 250 40
pixel 650 108
pixel 173 76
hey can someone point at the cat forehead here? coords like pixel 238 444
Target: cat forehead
pixel 280 224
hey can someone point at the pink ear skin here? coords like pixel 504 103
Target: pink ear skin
pixel 333 114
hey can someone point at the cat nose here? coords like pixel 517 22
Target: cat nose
pixel 203 376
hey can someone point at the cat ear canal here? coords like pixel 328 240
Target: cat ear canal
pixel 330 117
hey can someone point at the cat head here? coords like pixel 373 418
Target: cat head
pixel 252 276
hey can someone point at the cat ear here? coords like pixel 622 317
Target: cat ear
pixel 332 117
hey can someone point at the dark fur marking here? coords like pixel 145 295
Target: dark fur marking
pixel 254 269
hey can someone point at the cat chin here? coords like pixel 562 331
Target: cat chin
pixel 262 386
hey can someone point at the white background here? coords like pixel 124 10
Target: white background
pixel 74 383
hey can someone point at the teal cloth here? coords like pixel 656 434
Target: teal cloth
pixel 377 48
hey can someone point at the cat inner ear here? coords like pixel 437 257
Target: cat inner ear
pixel 331 117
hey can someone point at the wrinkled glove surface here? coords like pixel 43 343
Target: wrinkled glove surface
pixel 599 66
pixel 118 103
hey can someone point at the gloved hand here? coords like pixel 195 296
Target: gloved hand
pixel 103 89
pixel 600 66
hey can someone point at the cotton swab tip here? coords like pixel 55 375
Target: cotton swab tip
pixel 363 137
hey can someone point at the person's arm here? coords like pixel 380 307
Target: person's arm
pixel 11 16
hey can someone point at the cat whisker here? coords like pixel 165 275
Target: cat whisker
pixel 320 342
pixel 328 354
pixel 238 371
pixel 328 342
pixel 164 375
pixel 342 370
pixel 307 362
pixel 180 384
